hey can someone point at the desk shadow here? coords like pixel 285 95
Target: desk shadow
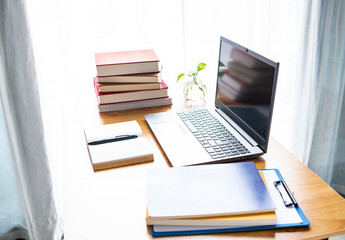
pixel 259 162
pixel 130 114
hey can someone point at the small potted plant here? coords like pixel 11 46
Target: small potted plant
pixel 194 88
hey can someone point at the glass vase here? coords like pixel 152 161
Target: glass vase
pixel 194 90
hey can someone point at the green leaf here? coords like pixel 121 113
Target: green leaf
pixel 221 64
pixel 179 76
pixel 191 74
pixel 201 66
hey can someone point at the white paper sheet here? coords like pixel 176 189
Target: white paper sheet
pixel 285 215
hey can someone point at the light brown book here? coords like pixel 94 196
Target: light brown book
pixel 127 87
pixel 117 97
pixel 131 78
pixel 126 62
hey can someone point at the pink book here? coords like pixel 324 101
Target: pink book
pixel 126 62
pixel 125 57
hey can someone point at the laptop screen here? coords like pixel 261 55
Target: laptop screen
pixel 245 89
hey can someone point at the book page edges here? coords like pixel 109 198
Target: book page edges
pixel 120 153
pixel 123 162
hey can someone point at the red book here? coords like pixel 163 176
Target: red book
pixel 135 104
pixel 126 62
pixel 116 97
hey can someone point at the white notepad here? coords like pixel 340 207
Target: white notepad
pixel 117 153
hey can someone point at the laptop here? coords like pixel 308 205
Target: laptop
pixel 237 127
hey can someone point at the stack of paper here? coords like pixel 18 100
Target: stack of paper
pixel 218 198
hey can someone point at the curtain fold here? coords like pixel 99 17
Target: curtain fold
pixel 12 221
pixel 327 131
pixel 21 105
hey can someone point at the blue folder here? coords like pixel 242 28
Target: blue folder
pixel 304 222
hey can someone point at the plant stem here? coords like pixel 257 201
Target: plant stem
pixel 195 81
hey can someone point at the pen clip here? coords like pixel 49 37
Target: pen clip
pixel 125 137
pixel 292 199
pixel 121 136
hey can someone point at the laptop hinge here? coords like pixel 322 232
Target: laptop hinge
pixel 237 128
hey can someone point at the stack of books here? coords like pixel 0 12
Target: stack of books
pixel 223 195
pixel 129 79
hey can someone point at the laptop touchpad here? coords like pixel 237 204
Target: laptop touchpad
pixel 170 129
pixel 179 144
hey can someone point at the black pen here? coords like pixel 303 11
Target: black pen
pixel 115 139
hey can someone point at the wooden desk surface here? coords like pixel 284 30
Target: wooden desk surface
pixel 111 204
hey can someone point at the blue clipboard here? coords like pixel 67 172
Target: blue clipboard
pixel 305 221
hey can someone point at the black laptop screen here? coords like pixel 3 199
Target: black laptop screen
pixel 245 89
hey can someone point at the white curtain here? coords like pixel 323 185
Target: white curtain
pixel 308 39
pixel 12 220
pixel 22 116
pixel 309 112
pixel 325 148
pixel 66 34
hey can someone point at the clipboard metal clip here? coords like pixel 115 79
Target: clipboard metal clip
pixel 292 201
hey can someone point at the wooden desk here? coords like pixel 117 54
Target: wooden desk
pixel 111 204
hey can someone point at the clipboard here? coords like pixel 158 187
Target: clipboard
pixel 285 196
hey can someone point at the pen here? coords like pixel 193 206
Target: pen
pixel 115 139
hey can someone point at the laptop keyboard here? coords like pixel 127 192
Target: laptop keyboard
pixel 212 135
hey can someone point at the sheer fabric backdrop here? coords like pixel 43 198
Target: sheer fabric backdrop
pixel 12 220
pixel 25 135
pixel 325 152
